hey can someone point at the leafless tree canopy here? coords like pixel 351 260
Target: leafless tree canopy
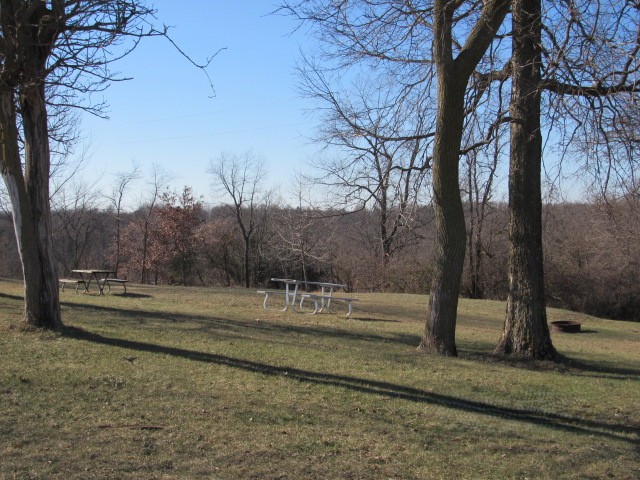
pixel 241 181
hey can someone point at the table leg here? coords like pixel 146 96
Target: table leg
pixel 100 287
pixel 322 299
pixel 85 282
pixel 295 292
pixel 286 296
pixel 329 299
pixel 290 301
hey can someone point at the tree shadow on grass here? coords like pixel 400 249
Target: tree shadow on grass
pixel 597 369
pixel 480 353
pixel 369 319
pixel 572 424
pixel 126 295
pixel 225 326
pixel 562 364
pixel 12 297
pixel 131 295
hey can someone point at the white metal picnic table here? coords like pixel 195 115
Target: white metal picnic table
pixel 290 297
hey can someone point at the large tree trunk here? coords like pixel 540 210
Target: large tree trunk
pixel 439 336
pixel 526 331
pixel 453 75
pixel 29 194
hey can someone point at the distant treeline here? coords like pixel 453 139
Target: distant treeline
pixel 592 251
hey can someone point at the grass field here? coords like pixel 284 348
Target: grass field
pixel 181 383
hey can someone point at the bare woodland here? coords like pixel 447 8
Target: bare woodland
pixel 592 255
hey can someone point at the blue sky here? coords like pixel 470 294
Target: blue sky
pixel 168 114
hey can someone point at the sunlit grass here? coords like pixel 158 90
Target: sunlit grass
pixel 172 382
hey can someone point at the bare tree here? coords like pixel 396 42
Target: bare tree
pixel 526 331
pixel 581 57
pixel 610 144
pixel 481 173
pixel 241 180
pixel 68 44
pixel 122 182
pixel 304 231
pixel 219 246
pixel 382 161
pixel 417 43
pixel 139 228
pixel 484 149
pixel 58 42
pixel 75 224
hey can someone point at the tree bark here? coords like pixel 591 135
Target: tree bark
pixel 29 194
pixel 37 169
pixel 526 332
pixel 439 336
pixel 453 75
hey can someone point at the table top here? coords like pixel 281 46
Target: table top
pixel 327 284
pixel 322 284
pixel 91 270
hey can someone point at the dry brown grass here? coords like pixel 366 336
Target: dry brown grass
pixel 182 383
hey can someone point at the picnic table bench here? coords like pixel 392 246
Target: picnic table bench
pixel 266 294
pixel 321 298
pixel 108 281
pixel 71 281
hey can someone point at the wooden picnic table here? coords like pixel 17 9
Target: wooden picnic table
pixel 327 289
pixel 99 275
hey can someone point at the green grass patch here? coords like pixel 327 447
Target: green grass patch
pixel 169 382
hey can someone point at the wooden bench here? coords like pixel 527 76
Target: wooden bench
pixel 108 281
pixel 328 298
pixel 71 281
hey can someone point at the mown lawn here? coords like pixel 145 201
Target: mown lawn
pixel 180 383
